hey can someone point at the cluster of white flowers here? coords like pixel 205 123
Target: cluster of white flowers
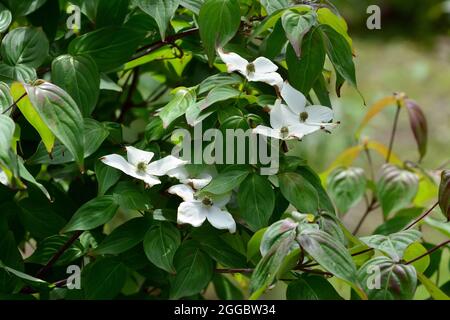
pixel 292 120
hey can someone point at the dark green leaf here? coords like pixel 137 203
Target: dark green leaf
pixel 311 288
pixel 103 279
pixel 24 7
pixel 160 244
pixel 257 201
pixel 160 10
pixel 111 12
pixel 299 192
pixel 194 270
pixel 296 25
pixel 5 18
pixel 124 237
pixel 92 214
pixel 106 176
pixel 444 194
pixel 226 181
pixel 184 98
pixel 25 46
pixel 226 289
pixel 219 31
pixel 48 247
pixel 80 78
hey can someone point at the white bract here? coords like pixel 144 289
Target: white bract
pixel 195 210
pixel 196 181
pixel 296 119
pixel 3 178
pixel 261 69
pixel 139 165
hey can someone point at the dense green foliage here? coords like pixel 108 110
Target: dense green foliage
pixel 123 80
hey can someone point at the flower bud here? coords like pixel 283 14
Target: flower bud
pixel 419 126
pixel 444 193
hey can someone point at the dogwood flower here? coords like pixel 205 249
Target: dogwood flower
pixel 3 178
pixel 138 165
pixel 261 69
pixel 195 180
pixel 195 210
pixel 296 119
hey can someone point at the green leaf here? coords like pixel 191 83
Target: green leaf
pixel 310 287
pixel 92 214
pixel 111 12
pixel 20 72
pixel 433 290
pixel 393 245
pixel 27 176
pixel 396 188
pixel 10 256
pixel 39 218
pixel 324 200
pixel 275 233
pixel 60 114
pixel 256 199
pixel 32 115
pixel 338 23
pixel 6 99
pixel 218 31
pixel 160 244
pixel 273 5
pixel 79 77
pixel 95 134
pixel 194 270
pixel 26 46
pixel 299 192
pixel 24 7
pixel 340 54
pixel 218 249
pixel 268 267
pixel 330 254
pixel 103 279
pixel 160 10
pixel 106 176
pixel 219 93
pixel 48 247
pixel 347 187
pixel 184 98
pixel 6 135
pixel 416 250
pixel 226 289
pixel 5 18
pixel 226 181
pixel 254 243
pixel 383 279
pixel 304 71
pixel 297 25
pixel 110 47
pixel 124 237
pixel 131 196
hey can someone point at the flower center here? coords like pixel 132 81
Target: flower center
pixel 304 116
pixel 284 132
pixel 141 167
pixel 250 68
pixel 207 201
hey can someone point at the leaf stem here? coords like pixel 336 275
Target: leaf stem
pixel 394 131
pixel 369 209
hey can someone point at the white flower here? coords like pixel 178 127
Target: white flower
pixel 195 180
pixel 261 69
pixel 195 210
pixel 296 119
pixel 3 178
pixel 139 165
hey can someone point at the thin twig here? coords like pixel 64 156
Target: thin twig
pixel 15 103
pixel 58 254
pixel 428 252
pixel 426 213
pixel 156 45
pixel 369 209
